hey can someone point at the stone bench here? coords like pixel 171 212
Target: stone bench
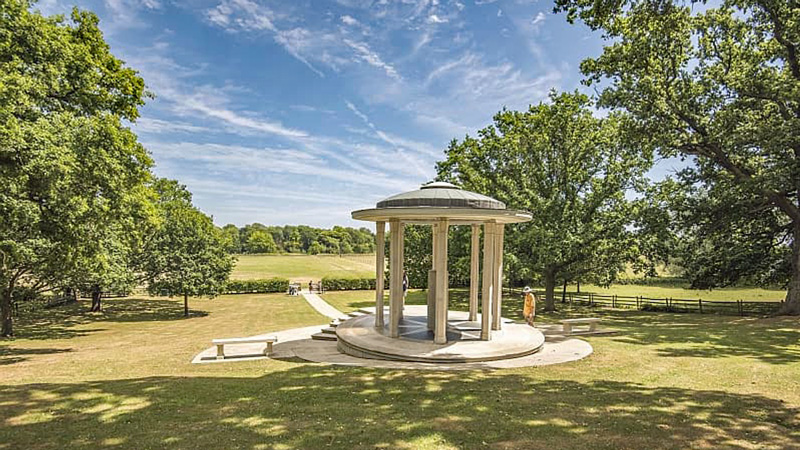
pixel 591 321
pixel 220 343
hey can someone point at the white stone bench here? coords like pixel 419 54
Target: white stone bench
pixel 591 321
pixel 220 343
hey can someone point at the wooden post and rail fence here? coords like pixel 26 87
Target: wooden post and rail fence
pixel 668 304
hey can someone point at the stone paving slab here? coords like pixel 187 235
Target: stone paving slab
pixel 360 338
pixel 252 352
pixel 321 305
pixel 297 343
pixel 557 352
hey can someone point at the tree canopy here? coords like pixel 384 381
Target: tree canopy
pixel 67 163
pixel 721 84
pixel 186 253
pixel 79 202
pixel 258 238
pixel 572 171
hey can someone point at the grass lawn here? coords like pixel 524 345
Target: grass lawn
pixel 302 268
pixel 723 294
pixel 122 379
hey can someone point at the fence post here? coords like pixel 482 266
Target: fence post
pixel 700 302
pixel 638 302
pixel 591 299
pixel 741 310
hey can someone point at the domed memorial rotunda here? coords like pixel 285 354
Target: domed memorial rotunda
pixel 432 333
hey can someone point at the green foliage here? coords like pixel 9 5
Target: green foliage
pixel 418 247
pixel 571 170
pixel 68 166
pixel 260 241
pixel 186 253
pixel 720 84
pixel 348 284
pixel 256 286
pixel 258 238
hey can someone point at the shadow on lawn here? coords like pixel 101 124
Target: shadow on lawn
pixel 60 323
pixel 772 340
pixel 12 355
pixel 309 407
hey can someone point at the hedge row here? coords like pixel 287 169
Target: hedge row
pixel 257 286
pixel 348 284
pixel 655 281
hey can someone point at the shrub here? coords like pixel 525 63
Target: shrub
pixel 256 286
pixel 348 284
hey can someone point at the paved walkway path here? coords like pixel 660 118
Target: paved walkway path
pixel 321 305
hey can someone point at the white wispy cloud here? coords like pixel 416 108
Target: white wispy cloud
pixel 331 47
pixel 241 161
pixel 241 15
pixel 348 20
pixel 538 19
pixel 159 126
pixel 433 18
pixel 198 104
pixel 364 53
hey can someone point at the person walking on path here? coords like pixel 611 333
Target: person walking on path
pixel 529 306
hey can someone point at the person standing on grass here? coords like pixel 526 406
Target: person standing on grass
pixel 529 306
pixel 310 286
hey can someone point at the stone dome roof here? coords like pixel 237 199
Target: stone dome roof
pixel 440 195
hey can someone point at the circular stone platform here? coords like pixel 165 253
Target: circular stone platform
pixel 358 337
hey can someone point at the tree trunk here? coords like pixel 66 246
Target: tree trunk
pixel 5 313
pixel 185 305
pixel 549 288
pixel 564 292
pixel 792 304
pixel 97 296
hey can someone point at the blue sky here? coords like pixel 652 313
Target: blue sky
pixel 298 112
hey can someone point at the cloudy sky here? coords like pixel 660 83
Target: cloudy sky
pixel 287 112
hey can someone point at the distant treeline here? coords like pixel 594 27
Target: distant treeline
pixel 258 238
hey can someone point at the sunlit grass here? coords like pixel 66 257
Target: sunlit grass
pixel 123 379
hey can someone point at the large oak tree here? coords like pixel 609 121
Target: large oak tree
pixel 571 170
pixel 67 163
pixel 720 83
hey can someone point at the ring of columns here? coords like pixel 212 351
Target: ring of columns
pixel 441 205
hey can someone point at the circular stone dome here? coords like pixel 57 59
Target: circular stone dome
pixel 440 195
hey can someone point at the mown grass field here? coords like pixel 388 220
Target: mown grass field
pixel 122 379
pixel 303 268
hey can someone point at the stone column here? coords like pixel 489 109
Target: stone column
pixel 497 298
pixel 432 280
pixel 474 270
pixel 488 280
pixel 395 277
pixel 380 270
pixel 440 324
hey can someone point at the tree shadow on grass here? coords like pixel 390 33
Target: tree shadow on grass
pixel 13 355
pixel 311 407
pixel 772 340
pixel 61 322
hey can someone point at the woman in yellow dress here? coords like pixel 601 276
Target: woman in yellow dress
pixel 529 308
